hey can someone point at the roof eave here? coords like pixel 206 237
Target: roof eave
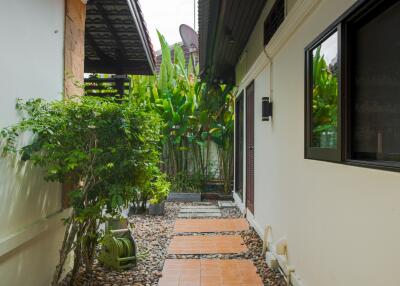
pixel 144 36
pixel 218 28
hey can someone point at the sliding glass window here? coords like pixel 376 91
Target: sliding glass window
pixel 352 88
pixel 323 98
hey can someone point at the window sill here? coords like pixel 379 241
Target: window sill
pixel 377 165
pixel 381 165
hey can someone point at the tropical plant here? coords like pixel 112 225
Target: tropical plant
pixel 325 93
pixel 197 115
pixel 106 150
pixel 193 182
pixel 160 189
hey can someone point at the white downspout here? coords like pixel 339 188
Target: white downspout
pixel 270 74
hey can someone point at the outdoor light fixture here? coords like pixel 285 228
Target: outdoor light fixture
pixel 266 109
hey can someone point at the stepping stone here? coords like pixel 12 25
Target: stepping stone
pixel 226 204
pixel 199 211
pixel 195 210
pixel 200 208
pixel 199 215
pixel 203 204
pixel 187 210
pixel 210 225
pixel 203 272
pixel 203 244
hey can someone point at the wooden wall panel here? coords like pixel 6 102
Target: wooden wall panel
pixel 74 50
pixel 74 58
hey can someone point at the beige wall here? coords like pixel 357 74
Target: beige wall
pixel 255 44
pixel 32 66
pixel 341 222
pixel 33 263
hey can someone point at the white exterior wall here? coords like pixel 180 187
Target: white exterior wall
pixel 341 222
pixel 31 66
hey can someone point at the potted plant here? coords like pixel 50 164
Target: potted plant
pixel 160 188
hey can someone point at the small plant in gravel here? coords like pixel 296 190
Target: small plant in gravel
pixel 160 189
pixel 107 150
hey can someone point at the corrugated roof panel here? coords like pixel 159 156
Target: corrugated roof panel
pixel 116 38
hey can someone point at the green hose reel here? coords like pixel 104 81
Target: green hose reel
pixel 118 250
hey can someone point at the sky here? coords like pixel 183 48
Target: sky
pixel 166 16
pixel 329 49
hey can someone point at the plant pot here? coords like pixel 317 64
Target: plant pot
pixel 184 197
pixel 156 209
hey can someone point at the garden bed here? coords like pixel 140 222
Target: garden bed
pixel 216 196
pixel 152 234
pixel 198 197
pixel 184 197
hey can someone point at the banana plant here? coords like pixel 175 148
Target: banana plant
pixel 195 115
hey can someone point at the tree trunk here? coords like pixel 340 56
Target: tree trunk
pixel 66 247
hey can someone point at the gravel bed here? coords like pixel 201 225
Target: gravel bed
pixel 152 234
pixel 231 213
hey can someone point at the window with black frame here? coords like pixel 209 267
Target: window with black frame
pixel 356 99
pixel 374 77
pixel 323 98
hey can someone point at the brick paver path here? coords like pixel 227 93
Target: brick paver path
pixel 210 225
pixel 208 272
pixel 204 244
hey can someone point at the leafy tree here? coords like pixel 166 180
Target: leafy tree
pixel 107 150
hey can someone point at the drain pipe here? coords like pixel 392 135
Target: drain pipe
pixel 270 74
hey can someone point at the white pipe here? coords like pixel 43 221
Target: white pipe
pixel 270 75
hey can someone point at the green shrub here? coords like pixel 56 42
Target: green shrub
pixel 108 150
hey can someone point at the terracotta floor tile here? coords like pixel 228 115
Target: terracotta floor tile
pixel 202 244
pixel 209 272
pixel 210 225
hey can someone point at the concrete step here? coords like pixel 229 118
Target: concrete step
pixel 192 210
pixel 199 215
pixel 200 207
pixel 226 204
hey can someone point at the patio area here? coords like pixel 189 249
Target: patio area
pixel 173 143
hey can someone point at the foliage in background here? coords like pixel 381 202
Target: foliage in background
pixel 196 115
pixel 325 93
pixel 108 151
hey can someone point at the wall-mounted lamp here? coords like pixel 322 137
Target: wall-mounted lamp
pixel 266 109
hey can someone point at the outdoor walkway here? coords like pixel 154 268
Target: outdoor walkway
pixel 210 225
pixel 204 210
pixel 203 236
pixel 202 244
pixel 209 272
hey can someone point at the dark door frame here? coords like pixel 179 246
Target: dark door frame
pixel 239 144
pixel 250 147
